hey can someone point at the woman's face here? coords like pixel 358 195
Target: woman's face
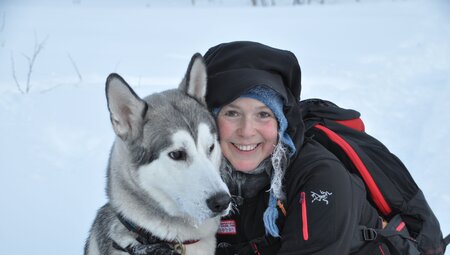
pixel 248 132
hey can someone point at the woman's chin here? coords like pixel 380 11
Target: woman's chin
pixel 245 167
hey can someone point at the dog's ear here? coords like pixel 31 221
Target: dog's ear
pixel 194 82
pixel 126 109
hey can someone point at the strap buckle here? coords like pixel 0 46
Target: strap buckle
pixel 369 234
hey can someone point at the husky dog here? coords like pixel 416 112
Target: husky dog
pixel 165 192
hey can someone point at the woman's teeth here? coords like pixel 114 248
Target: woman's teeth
pixel 246 147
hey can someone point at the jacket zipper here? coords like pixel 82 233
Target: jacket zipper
pixel 304 216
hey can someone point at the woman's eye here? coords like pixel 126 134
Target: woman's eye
pixel 231 113
pixel 178 155
pixel 264 115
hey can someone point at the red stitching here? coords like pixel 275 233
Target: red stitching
pixel 381 249
pixel 400 226
pixel 255 248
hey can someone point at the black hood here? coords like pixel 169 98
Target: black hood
pixel 236 67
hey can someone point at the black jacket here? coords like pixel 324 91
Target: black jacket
pixel 324 207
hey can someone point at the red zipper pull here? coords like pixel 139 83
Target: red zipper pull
pixel 304 216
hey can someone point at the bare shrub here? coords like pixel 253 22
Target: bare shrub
pixel 38 46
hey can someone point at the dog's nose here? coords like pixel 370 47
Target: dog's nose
pixel 218 202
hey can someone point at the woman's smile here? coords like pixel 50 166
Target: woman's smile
pixel 246 148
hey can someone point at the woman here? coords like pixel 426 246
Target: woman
pixel 291 195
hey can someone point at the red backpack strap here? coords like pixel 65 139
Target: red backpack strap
pixel 356 124
pixel 374 191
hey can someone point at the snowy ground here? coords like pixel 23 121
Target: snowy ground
pixel 388 59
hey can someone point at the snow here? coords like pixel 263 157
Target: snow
pixel 388 59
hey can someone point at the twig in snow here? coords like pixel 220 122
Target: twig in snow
pixel 38 46
pixel 13 68
pixel 80 78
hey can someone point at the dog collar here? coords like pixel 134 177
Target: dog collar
pixel 147 239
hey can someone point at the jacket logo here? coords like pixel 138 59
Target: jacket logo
pixel 323 196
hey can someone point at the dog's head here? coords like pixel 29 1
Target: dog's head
pixel 166 156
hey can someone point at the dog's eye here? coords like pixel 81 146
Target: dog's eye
pixel 211 148
pixel 177 155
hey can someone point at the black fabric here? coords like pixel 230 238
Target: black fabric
pixel 235 67
pixel 395 241
pixel 247 185
pixel 318 110
pixel 377 247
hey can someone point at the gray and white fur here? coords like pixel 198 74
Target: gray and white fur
pixel 163 171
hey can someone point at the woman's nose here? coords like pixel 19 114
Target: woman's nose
pixel 246 127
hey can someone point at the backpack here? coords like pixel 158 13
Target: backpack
pixel 412 226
